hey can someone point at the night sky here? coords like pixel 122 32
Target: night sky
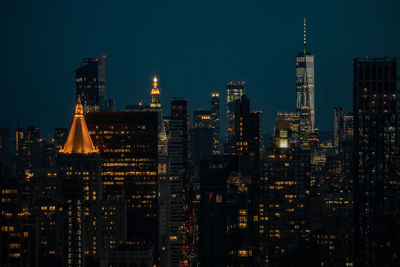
pixel 193 46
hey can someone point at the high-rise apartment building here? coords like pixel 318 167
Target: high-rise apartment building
pixel 234 90
pixel 376 177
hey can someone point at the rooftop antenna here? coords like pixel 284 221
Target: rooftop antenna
pixel 305 34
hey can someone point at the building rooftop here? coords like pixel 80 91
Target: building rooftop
pixel 79 141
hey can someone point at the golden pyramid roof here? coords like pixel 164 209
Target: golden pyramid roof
pixel 79 141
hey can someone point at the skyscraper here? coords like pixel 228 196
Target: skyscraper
pixel 79 192
pixel 28 157
pixel 305 82
pixel 91 85
pixel 247 135
pixel 234 90
pixel 284 229
pixel 178 148
pixel 338 128
pixel 215 121
pixel 376 177
pixel 128 144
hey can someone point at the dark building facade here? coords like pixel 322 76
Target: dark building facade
pixel 91 85
pixel 234 90
pixel 376 179
pixel 128 144
pixel 79 195
pixel 178 149
pixel 215 121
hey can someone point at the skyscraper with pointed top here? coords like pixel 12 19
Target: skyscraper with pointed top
pixel 80 193
pixel 156 105
pixel 305 83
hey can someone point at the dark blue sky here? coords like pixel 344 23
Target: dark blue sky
pixel 193 46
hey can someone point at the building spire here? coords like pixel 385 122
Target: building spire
pixel 155 90
pixel 79 141
pixel 305 34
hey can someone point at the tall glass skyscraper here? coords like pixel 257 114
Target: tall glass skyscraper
pixel 91 85
pixel 305 81
pixel 233 91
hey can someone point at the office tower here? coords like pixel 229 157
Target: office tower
pixel 215 121
pixel 5 145
pixel 376 178
pixel 201 140
pixel 247 134
pixel 156 105
pixel 234 90
pixel 349 126
pixel 213 211
pixel 178 158
pixel 228 220
pixel 91 85
pixel 80 193
pixel 202 119
pixel 338 128
pixel 284 229
pixel 28 157
pixel 305 84
pixel 163 178
pixel 128 144
pixel 294 120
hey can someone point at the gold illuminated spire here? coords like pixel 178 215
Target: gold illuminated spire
pixel 155 90
pixel 79 141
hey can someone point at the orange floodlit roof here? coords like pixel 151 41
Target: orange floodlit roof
pixel 79 141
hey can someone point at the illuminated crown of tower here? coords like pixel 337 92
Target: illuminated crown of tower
pixel 79 141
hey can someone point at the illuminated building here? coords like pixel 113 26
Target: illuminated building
pixel 282 212
pixel 128 144
pixel 247 134
pixel 338 128
pixel 156 105
pixel 376 177
pixel 80 193
pixel 294 120
pixel 178 157
pixel 349 126
pixel 234 90
pixel 305 83
pixel 215 121
pixel 163 172
pixel 91 85
pixel 18 235
pixel 27 151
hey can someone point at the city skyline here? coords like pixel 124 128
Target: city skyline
pixel 197 58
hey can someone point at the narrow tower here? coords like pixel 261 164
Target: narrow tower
pixel 80 181
pixel 156 105
pixel 305 83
